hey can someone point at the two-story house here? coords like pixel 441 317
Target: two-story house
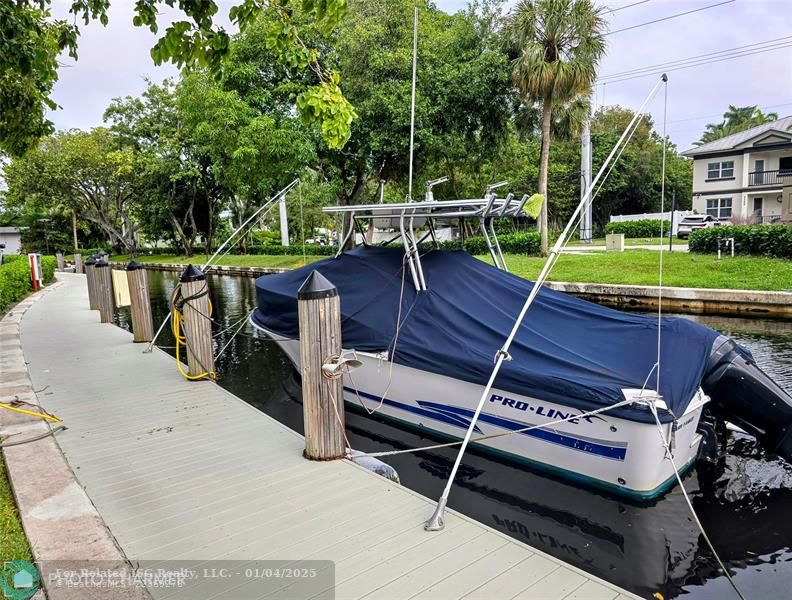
pixel 741 177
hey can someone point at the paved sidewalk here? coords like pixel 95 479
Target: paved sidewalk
pixel 59 519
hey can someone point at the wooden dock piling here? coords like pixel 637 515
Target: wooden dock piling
pixel 197 328
pixel 319 309
pixel 103 288
pixel 60 261
pixel 90 279
pixel 78 264
pixel 140 308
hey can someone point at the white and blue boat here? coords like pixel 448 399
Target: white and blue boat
pixel 427 324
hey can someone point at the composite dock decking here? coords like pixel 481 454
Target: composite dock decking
pixel 186 471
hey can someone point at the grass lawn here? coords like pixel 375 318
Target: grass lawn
pixel 637 267
pixel 13 543
pixel 680 269
pixel 229 260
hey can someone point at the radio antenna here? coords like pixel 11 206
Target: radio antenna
pixel 412 103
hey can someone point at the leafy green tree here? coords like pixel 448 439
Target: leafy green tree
pixel 178 197
pixel 634 184
pixel 463 91
pixel 31 40
pixel 88 172
pixel 558 44
pixel 463 98
pixel 251 155
pixel 735 120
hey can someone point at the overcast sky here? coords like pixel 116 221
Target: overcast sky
pixel 114 60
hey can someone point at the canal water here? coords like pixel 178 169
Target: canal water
pixel 745 505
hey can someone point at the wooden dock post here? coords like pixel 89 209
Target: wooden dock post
pixel 59 259
pixel 90 279
pixel 103 290
pixel 319 309
pixel 197 323
pixel 78 264
pixel 142 323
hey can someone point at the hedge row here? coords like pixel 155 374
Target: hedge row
pixel 528 242
pixel 646 228
pixel 758 240
pixel 512 243
pixel 9 258
pixel 15 281
pixel 296 249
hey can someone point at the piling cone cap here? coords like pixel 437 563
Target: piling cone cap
pixel 316 286
pixel 91 261
pixel 192 273
pixel 102 263
pixel 134 265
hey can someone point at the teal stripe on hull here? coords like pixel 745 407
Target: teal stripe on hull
pixel 618 490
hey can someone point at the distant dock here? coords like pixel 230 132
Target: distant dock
pixel 704 301
pixel 186 471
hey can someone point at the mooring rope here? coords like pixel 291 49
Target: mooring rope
pixel 242 322
pixel 267 206
pixel 329 378
pixel 706 537
pixel 177 305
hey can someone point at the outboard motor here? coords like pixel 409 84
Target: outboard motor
pixel 743 394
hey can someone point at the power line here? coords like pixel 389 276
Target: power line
pixel 682 14
pixel 721 115
pixel 699 63
pixel 617 9
pixel 695 57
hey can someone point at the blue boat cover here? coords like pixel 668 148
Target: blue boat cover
pixel 569 351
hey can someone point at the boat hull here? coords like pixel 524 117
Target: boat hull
pixel 618 455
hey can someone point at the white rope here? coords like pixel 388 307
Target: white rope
pixel 329 380
pixel 394 343
pixel 505 433
pixel 242 322
pixel 670 457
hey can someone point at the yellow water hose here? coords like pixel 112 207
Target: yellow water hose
pixel 23 411
pixel 181 340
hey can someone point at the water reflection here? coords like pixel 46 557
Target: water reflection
pixel 744 502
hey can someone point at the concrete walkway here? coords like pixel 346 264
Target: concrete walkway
pixel 185 471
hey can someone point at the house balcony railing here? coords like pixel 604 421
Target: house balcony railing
pixel 758 219
pixel 777 177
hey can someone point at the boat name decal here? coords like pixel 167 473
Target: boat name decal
pixel 540 410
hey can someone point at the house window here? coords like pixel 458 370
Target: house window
pixel 720 208
pixel 785 165
pixel 720 170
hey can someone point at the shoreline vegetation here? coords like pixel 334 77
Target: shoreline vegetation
pixel 632 267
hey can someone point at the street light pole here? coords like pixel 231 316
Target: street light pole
pixel 46 232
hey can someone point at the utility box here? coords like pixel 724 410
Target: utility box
pixel 36 274
pixel 614 242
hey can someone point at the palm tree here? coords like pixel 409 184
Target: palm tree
pixel 558 45
pixel 735 120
